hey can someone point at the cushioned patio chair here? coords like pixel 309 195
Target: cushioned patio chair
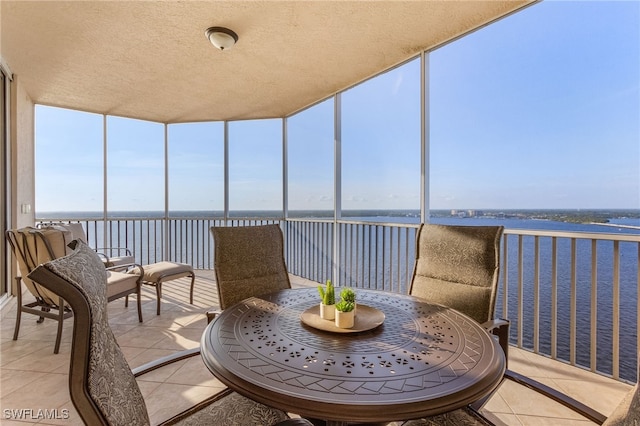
pixel 458 266
pixel 33 246
pixel 626 413
pixel 248 261
pixel 102 386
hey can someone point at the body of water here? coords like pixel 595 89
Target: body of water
pixel 571 284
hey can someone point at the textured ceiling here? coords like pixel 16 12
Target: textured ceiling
pixel 151 60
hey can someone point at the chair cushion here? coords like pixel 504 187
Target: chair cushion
pixel 119 282
pixel 248 261
pixel 234 409
pixel 156 272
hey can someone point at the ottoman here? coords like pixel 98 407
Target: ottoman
pixel 157 273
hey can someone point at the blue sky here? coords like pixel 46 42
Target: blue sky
pixel 539 110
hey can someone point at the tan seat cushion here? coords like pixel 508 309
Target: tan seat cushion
pixel 119 282
pixel 163 271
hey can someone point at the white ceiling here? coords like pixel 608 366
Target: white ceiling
pixel 151 59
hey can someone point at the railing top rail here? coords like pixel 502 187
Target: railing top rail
pixel 575 234
pixel 508 231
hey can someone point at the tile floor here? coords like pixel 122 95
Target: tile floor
pixel 32 377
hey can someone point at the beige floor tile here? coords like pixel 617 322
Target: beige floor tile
pixel 13 380
pixel 195 373
pixel 48 392
pixel 529 403
pixel 168 400
pixel 142 337
pixel 185 338
pixel 497 404
pixel 13 350
pixel 43 360
pixel 609 394
pixel 174 320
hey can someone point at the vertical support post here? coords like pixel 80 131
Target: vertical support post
pixel 225 213
pixel 105 163
pixel 337 185
pixel 424 137
pixel 165 240
pixel 285 178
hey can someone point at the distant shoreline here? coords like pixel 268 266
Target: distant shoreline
pixel 615 225
pixel 578 216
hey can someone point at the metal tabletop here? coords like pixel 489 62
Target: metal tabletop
pixel 425 359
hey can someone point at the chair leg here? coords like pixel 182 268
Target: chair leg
pixel 41 319
pixel 19 309
pixel 193 280
pixel 126 301
pixel 56 349
pixel 139 303
pixel 503 340
pixel 158 296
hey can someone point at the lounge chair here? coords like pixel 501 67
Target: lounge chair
pixel 33 246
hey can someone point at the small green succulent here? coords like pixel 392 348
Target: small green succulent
pixel 348 294
pixel 344 306
pixel 327 296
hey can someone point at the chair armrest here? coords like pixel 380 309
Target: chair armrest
pixel 211 314
pixel 161 362
pixel 500 328
pixel 126 251
pixel 130 268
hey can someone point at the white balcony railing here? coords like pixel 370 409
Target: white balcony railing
pixel 570 296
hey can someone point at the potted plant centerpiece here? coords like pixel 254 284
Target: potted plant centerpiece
pixel 345 316
pixel 327 301
pixel 349 295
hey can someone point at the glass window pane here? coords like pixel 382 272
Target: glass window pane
pixel 381 142
pixel 255 168
pixel 135 166
pixel 532 116
pixel 310 156
pixel 196 168
pixel 68 161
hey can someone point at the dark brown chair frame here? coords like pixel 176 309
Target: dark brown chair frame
pixel 41 307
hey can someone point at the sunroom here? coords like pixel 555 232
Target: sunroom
pixel 347 123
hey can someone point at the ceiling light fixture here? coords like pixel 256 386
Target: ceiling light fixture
pixel 220 37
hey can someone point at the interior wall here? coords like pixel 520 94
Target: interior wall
pixel 22 151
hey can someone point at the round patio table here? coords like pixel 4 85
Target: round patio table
pixel 424 359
